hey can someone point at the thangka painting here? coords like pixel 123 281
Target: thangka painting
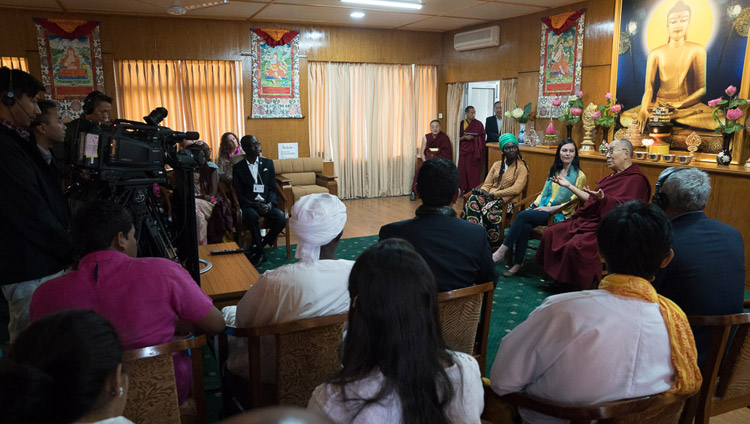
pixel 275 56
pixel 70 53
pixel 679 55
pixel 560 61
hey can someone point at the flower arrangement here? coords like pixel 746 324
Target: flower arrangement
pixel 606 113
pixel 520 115
pixel 575 109
pixel 729 105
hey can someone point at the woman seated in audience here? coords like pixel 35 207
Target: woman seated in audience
pixel 228 147
pixel 555 199
pixel 395 366
pixel 504 184
pixel 206 181
pixel 64 368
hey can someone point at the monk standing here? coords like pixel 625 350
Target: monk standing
pixel 569 251
pixel 436 144
pixel 470 150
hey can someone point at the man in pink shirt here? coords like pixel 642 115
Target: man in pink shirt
pixel 143 298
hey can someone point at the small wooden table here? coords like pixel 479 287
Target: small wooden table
pixel 229 278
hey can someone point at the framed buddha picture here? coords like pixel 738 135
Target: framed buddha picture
pixel 670 58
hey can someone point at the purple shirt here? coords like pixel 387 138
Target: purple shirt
pixel 141 297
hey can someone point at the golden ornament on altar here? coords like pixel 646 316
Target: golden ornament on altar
pixel 588 127
pixel 693 141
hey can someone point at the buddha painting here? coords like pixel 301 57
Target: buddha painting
pixel 71 65
pixel 681 70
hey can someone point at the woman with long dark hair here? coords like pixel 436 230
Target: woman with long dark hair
pixel 228 147
pixel 396 368
pixel 206 181
pixel 555 199
pixel 504 184
pixel 66 367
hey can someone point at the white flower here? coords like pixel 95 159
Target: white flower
pixel 517 112
pixel 507 113
pixel 572 98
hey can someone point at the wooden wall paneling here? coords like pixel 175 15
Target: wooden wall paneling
pixel 599 27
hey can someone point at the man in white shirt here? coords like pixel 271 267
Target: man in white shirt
pixel 315 286
pixel 613 343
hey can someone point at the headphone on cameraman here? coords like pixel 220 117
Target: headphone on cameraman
pixel 660 198
pixel 89 103
pixel 9 97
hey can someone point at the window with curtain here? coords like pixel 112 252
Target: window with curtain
pixel 370 118
pixel 200 95
pixel 14 63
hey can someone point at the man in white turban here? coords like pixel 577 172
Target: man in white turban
pixel 316 285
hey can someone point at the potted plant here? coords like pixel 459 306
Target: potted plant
pixel 605 116
pixel 522 117
pixel 573 114
pixel 727 111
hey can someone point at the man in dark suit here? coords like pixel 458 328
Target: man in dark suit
pixel 457 252
pixel 493 124
pixel 255 183
pixel 707 275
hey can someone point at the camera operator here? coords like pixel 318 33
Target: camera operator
pixel 35 245
pixel 96 109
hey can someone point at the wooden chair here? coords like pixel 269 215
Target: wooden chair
pixel 465 319
pixel 726 378
pixel 307 353
pixel 152 392
pixel 241 235
pixel 660 408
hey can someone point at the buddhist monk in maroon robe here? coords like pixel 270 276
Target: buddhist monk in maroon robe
pixel 470 150
pixel 436 144
pixel 569 251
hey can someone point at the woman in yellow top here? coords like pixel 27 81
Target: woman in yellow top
pixel 555 199
pixel 503 185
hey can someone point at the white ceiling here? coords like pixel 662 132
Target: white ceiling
pixel 435 15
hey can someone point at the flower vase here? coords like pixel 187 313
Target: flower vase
pixel 604 145
pixel 569 128
pixel 522 133
pixel 724 157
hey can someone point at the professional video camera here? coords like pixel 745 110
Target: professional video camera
pixel 123 161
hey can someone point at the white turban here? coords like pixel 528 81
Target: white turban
pixel 316 220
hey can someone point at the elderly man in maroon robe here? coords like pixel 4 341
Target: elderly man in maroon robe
pixel 569 251
pixel 436 144
pixel 470 150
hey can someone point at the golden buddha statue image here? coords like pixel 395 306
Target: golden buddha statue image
pixel 675 78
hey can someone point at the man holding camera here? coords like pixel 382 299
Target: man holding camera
pixel 255 183
pixel 35 245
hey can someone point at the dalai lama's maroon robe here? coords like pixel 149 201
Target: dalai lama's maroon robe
pixel 568 250
pixel 470 154
pixel 445 150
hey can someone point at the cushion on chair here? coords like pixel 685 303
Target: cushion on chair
pixel 152 393
pixel 305 360
pixel 300 191
pixel 300 178
pixel 287 166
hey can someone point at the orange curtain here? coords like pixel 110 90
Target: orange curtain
pixel 365 117
pixel 200 95
pixel 15 63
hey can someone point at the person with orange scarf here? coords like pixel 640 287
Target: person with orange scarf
pixel 618 342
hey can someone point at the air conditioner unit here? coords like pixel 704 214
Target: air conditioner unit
pixel 477 39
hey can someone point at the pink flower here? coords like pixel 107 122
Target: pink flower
pixel 734 114
pixel 580 94
pixel 608 96
pixel 576 111
pixel 596 114
pixel 556 102
pixel 616 108
pixel 714 102
pixel 731 90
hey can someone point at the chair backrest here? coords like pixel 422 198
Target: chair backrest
pixel 660 408
pixel 152 390
pixel 731 370
pixel 290 166
pixel 307 354
pixel 460 311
